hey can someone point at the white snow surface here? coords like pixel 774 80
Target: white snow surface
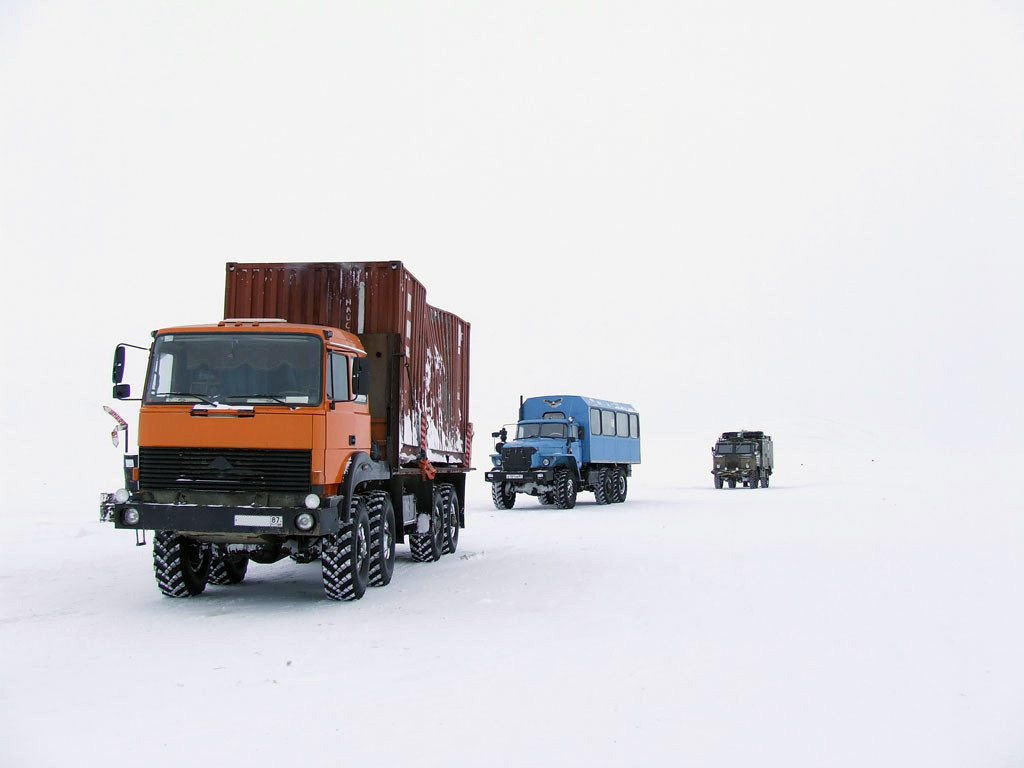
pixel 861 611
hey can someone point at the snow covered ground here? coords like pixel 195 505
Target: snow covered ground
pixel 864 610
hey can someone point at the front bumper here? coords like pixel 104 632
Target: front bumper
pixel 735 473
pixel 517 478
pixel 224 521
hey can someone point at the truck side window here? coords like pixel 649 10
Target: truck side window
pixel 595 421
pixel 607 422
pixel 622 424
pixel 634 425
pixel 337 380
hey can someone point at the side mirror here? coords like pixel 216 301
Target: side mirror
pixel 581 432
pixel 117 375
pixel 361 376
pixel 495 434
pixel 122 391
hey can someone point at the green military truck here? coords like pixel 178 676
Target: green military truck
pixel 746 457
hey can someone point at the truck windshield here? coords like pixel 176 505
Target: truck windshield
pixel 541 430
pixel 264 368
pixel 723 448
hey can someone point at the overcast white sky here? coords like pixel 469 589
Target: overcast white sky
pixel 731 214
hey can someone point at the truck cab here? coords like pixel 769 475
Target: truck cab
pixel 564 444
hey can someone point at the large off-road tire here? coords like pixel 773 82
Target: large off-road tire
pixel 345 556
pixel 181 565
pixel 602 487
pixel 382 539
pixel 718 482
pixel 565 489
pixel 426 547
pixel 620 487
pixel 732 482
pixel 547 498
pixel 450 498
pixel 764 481
pixel 228 568
pixel 753 481
pixel 503 495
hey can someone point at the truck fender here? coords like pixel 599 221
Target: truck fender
pixel 573 467
pixel 361 469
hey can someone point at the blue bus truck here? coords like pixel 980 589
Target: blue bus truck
pixel 565 444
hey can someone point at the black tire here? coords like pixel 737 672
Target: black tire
pixel 426 547
pixel 547 498
pixel 764 481
pixel 228 568
pixel 754 480
pixel 503 495
pixel 181 565
pixel 620 486
pixel 345 556
pixel 450 542
pixel 718 482
pixel 603 487
pixel 732 482
pixel 565 489
pixel 382 539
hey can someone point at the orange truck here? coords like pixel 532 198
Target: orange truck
pixel 326 418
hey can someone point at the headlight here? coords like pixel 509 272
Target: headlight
pixel 121 495
pixel 312 501
pixel 546 462
pixel 305 521
pixel 131 516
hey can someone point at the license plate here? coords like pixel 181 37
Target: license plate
pixel 514 477
pixel 259 521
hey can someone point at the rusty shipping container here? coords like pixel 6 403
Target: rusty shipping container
pixel 419 354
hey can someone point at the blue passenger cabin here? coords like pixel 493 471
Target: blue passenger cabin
pixel 611 430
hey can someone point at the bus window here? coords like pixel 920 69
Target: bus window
pixel 607 422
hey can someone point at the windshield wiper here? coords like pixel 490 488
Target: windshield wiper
pixel 185 394
pixel 262 397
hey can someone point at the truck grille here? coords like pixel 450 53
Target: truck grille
pixel 217 469
pixel 516 459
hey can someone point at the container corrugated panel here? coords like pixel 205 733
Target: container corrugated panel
pixel 372 298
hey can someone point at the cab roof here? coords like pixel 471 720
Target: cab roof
pixel 335 337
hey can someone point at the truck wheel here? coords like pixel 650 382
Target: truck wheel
pixel 718 482
pixel 732 482
pixel 602 491
pixel 181 565
pixel 619 485
pixel 764 481
pixel 228 568
pixel 752 483
pixel 503 495
pixel 547 498
pixel 345 556
pixel 565 489
pixel 451 519
pixel 426 547
pixel 382 539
